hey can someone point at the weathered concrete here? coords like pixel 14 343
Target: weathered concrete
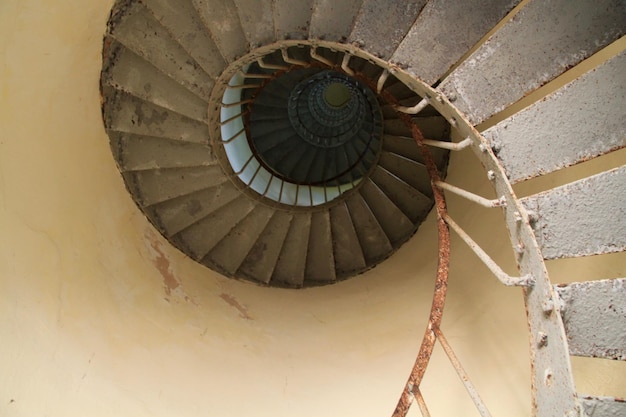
pixel 320 259
pixel 134 75
pixel 222 21
pixel 539 43
pixel 232 250
pixel 413 203
pixel 292 18
pixel 291 262
pixel 380 26
pixel 257 21
pixel 374 242
pixel 126 113
pixel 430 48
pixel 347 250
pixel 138 30
pixel 604 406
pixel 332 20
pixel 586 217
pixel 186 27
pixel 584 119
pixel 594 314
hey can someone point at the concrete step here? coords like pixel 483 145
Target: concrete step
pixel 586 217
pixel 221 20
pixel 603 406
pixel 432 127
pixel 397 226
pixel 182 21
pixel 228 255
pixel 138 153
pixel 431 36
pixel 205 234
pixel 372 238
pixel 584 119
pixel 542 41
pixel 410 201
pixel 320 261
pixel 392 18
pixel 179 213
pixel 158 185
pixel 406 147
pixel 347 250
pixel 594 314
pixel 291 264
pixel 411 172
pixel 257 21
pixel 292 18
pixel 130 114
pixel 262 258
pixel 132 74
pixel 140 32
pixel 332 20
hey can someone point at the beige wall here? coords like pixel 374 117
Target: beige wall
pixel 100 317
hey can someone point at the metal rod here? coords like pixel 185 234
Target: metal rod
pixel 449 145
pixel 238 103
pixel 230 119
pixel 249 75
pixel 523 281
pixel 415 109
pixel 471 390
pixel 485 202
pixel 270 66
pixel 420 402
pixel 243 168
pixel 235 136
pixel 249 184
pixel 344 64
pixel 320 58
pixel 381 80
pixel 242 86
pixel 289 60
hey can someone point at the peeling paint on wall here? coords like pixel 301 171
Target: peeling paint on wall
pixel 243 311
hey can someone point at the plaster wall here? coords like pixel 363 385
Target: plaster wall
pixel 99 316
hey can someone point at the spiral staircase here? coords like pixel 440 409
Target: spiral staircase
pixel 298 143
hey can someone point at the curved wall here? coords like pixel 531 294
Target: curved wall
pixel 99 316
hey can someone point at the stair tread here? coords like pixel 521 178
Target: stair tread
pixel 431 36
pixel 413 203
pixel 126 113
pixel 222 21
pixel 184 24
pixel 291 262
pixel 393 18
pixel 131 73
pixel 257 21
pixel 582 218
pixel 137 152
pixel 158 185
pixel 411 172
pixel 202 236
pixel 179 213
pixel 263 256
pixel 291 18
pixel 603 406
pixel 407 148
pixel 332 20
pixel 432 127
pixel 139 31
pixel 584 119
pixel 347 251
pixel 372 238
pixel 542 41
pixel 231 251
pixel 320 263
pixel 397 226
pixel 593 315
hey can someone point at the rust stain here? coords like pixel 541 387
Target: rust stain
pixel 162 263
pixel 232 301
